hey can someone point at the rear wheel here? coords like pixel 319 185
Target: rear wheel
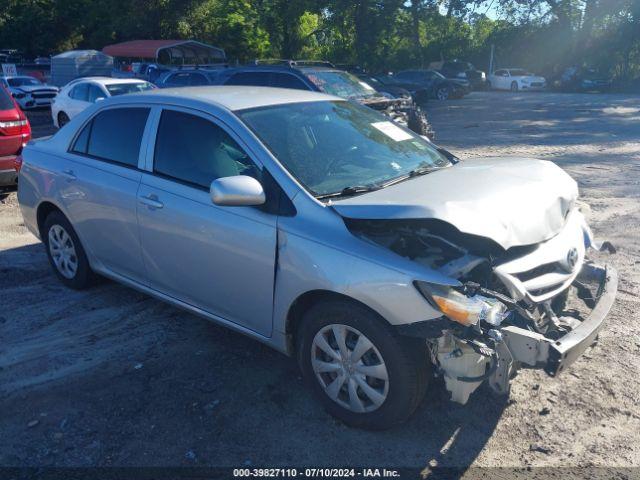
pixel 362 372
pixel 514 86
pixel 63 119
pixel 65 252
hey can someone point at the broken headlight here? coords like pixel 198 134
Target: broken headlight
pixel 463 309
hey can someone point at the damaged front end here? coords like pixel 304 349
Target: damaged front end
pixel 404 112
pixel 532 306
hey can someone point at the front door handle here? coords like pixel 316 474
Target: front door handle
pixel 152 202
pixel 69 175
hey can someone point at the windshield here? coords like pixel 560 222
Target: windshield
pixel 23 81
pixel 333 146
pixel 134 87
pixel 519 73
pixel 340 84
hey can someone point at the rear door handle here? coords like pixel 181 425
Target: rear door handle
pixel 152 202
pixel 69 175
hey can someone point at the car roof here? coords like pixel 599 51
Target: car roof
pixel 233 97
pixel 104 81
pixel 285 68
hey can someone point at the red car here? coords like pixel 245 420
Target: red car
pixel 15 132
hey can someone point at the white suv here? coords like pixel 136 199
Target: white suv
pixel 79 94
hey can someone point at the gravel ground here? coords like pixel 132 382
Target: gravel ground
pixel 111 377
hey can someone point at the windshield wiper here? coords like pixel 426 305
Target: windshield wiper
pixel 416 172
pixel 351 190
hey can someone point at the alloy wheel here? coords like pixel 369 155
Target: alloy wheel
pixel 442 94
pixel 63 251
pixel 349 368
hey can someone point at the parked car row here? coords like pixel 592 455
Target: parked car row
pixel 306 75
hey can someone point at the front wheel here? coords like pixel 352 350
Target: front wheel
pixel 63 119
pixel 363 373
pixel 514 86
pixel 443 93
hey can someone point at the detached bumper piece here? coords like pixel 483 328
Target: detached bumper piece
pixel 554 356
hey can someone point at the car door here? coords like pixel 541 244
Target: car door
pixel 100 180
pixel 218 259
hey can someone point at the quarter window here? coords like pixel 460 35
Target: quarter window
pixel 114 135
pixel 194 150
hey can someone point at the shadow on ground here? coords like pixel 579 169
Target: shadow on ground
pixel 113 377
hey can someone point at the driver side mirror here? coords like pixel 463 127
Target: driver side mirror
pixel 237 191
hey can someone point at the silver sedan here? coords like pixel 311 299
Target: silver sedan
pixel 327 231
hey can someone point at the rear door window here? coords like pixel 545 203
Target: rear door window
pixel 196 151
pixel 286 80
pixel 80 92
pixel 258 79
pixel 114 135
pixel 180 79
pixel 198 79
pixel 95 93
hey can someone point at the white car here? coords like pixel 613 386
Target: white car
pixel 79 94
pixel 515 79
pixel 28 91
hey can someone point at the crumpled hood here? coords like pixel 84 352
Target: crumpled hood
pixel 513 201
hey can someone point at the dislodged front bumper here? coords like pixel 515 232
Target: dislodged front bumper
pixel 554 356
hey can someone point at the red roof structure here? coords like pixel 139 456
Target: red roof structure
pixel 167 51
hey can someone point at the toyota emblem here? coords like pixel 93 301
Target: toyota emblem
pixel 572 258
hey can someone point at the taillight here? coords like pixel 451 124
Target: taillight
pixel 25 129
pixel 17 163
pixel 15 127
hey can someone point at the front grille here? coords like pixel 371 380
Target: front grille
pixel 537 84
pixel 43 95
pixel 538 271
pixel 541 274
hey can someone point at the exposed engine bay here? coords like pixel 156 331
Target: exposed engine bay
pixel 527 306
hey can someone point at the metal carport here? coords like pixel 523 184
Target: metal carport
pixel 168 52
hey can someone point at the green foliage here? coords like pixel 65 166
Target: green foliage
pixel 542 35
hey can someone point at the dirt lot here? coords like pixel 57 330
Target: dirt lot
pixel 113 377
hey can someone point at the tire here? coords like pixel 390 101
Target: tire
pixel 417 122
pixel 63 119
pixel 514 86
pixel 442 93
pixel 65 252
pixel 403 360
